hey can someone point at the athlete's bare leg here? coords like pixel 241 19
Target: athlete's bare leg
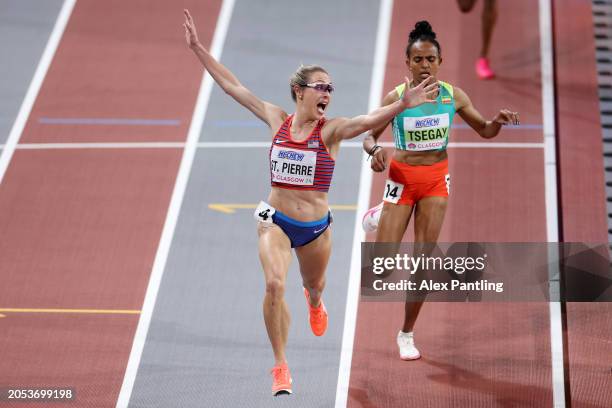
pixel 392 225
pixel 313 259
pixel 393 222
pixel 275 257
pixel 489 17
pixel 428 219
pixel 466 5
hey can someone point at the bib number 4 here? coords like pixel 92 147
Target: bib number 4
pixel 264 215
pixel 263 212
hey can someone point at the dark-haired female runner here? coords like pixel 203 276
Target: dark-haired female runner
pixel 296 214
pixel 418 172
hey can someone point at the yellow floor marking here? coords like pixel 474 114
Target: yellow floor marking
pixel 231 208
pixel 342 207
pixel 79 311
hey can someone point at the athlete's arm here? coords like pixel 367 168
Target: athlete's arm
pixel 485 128
pixel 379 158
pixel 267 112
pixel 346 128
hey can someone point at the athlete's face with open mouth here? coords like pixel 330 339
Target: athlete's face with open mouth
pixel 317 93
pixel 423 61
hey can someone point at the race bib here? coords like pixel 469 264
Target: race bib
pixel 426 132
pixel 264 212
pixel 393 191
pixel 293 166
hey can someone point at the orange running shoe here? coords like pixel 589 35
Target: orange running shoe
pixel 318 316
pixel 281 379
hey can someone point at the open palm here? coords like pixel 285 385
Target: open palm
pixel 191 35
pixel 422 93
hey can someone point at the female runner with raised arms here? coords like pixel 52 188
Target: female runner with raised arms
pixel 296 214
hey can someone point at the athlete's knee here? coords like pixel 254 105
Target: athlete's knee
pixel 466 5
pixel 490 5
pixel 275 287
pixel 489 12
pixel 316 285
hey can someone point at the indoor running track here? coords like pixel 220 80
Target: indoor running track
pixel 119 279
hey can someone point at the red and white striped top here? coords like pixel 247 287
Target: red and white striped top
pixel 300 165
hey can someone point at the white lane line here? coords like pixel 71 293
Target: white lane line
pixel 230 145
pixel 135 145
pixel 109 121
pixel 493 145
pixel 460 145
pixel 174 209
pixel 550 182
pixel 365 183
pixel 35 84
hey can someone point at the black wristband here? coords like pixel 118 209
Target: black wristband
pixel 373 151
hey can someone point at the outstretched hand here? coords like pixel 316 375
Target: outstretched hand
pixel 507 117
pixel 422 93
pixel 191 35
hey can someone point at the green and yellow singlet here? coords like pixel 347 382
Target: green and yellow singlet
pixel 427 126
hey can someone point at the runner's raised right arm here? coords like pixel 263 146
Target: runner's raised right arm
pixel 271 114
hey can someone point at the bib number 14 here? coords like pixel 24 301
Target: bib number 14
pixel 393 191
